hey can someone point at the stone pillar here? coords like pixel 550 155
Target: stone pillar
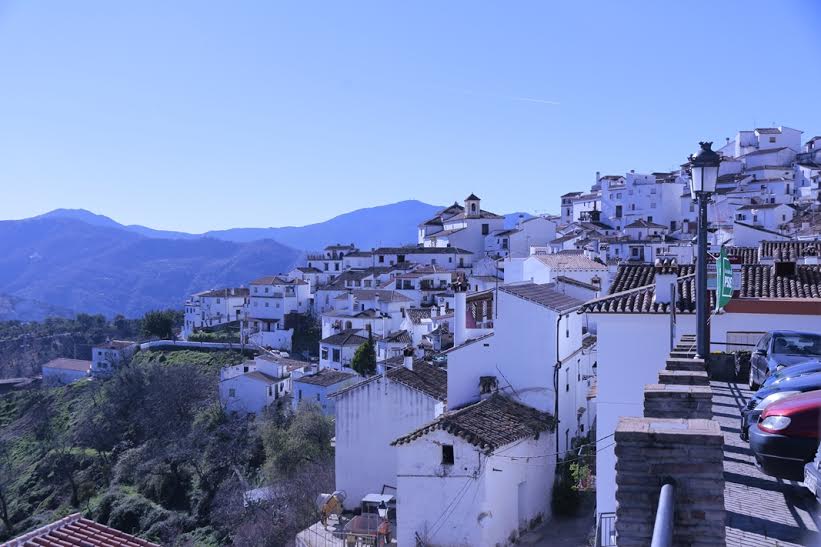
pixel 678 401
pixel 650 450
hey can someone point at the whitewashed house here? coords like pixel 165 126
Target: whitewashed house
pixel 392 345
pixel 446 257
pixel 108 357
pixel 770 216
pixel 535 349
pixel 374 412
pixel 271 299
pixel 477 475
pixel 422 283
pixel 337 350
pixel 330 261
pixel 62 371
pixel 545 268
pixel 420 322
pixel 252 386
pixel 317 388
pixel 461 226
pixel 212 308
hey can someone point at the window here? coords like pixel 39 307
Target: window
pixel 672 225
pixel 336 266
pixel 772 139
pixel 324 354
pixel 367 282
pixel 232 392
pixel 618 196
pixel 485 229
pixel 692 207
pixel 381 259
pixel 618 211
pixel 300 395
pixel 447 454
pixel 472 207
pixel 326 266
pixel 317 396
pixel 218 300
pixel 335 355
pixel 270 391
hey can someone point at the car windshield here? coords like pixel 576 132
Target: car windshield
pixel 797 344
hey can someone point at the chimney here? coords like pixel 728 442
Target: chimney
pixel 666 271
pixel 407 359
pixel 459 316
pixel 598 176
pixel 434 311
pixel 350 302
pixel 488 386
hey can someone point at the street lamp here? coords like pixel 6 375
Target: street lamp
pixel 703 176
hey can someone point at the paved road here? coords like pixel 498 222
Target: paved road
pixel 761 510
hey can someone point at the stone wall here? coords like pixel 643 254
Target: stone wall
pixel 676 440
pixel 650 450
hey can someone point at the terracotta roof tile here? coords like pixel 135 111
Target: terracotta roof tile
pixel 325 377
pixel 489 424
pixel 79 531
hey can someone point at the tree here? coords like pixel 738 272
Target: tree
pixel 364 360
pixel 159 323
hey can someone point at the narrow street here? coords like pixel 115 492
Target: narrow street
pixel 761 510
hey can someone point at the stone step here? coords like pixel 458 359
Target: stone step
pixel 678 363
pixel 684 377
pixel 682 354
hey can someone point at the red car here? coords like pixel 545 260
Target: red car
pixel 787 435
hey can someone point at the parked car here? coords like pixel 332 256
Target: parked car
pixel 812 474
pixel 794 371
pixel 779 349
pixel 775 392
pixel 787 434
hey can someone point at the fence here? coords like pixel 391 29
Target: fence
pixel 606 530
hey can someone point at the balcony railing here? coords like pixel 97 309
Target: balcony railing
pixel 606 530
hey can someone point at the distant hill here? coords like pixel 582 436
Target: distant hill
pixel 70 264
pixel 16 308
pixel 394 224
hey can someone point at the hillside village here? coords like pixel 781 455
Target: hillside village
pixel 471 368
pixel 496 344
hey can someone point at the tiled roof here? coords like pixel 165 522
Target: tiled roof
pixel 768 130
pixel 224 293
pixel 424 377
pixel 641 223
pixel 543 294
pixel 764 151
pixel 489 424
pixel 759 281
pixel 325 377
pixel 472 196
pixel 371 294
pixel 569 261
pixel 309 269
pixel 276 280
pixel 348 337
pixel 788 249
pixel 398 337
pixel 420 250
pixel 75 530
pixel 758 206
pixel 633 289
pixel 416 315
pixel 69 364
pixel 746 255
pixel 577 283
pixel 261 377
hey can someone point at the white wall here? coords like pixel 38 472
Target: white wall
pixel 480 496
pixel 368 419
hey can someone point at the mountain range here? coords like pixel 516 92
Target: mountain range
pixel 72 260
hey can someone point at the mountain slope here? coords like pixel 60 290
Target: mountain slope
pixel 72 264
pixel 393 224
pixel 106 222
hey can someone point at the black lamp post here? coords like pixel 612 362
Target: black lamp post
pixel 703 176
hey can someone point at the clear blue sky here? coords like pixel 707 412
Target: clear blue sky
pixel 200 115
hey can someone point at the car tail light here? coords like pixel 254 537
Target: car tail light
pixel 775 423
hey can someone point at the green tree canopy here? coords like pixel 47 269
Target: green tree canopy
pixel 364 360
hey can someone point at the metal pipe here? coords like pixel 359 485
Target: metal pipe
pixel 702 338
pixel 663 528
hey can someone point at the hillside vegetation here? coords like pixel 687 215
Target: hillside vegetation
pixel 151 452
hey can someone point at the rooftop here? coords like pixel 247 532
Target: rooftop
pixel 348 337
pixel 116 344
pixel 276 280
pixel 544 295
pixel 424 377
pixel 63 363
pixel 489 424
pixel 224 293
pixel 325 377
pixel 372 294
pixel 75 530
pixel 569 261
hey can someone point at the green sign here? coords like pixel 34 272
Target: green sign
pixel 724 280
